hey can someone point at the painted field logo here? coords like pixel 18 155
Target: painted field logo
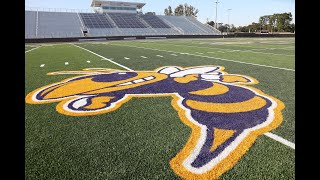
pixel 226 115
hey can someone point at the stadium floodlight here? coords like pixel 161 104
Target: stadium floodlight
pixel 216 13
pixel 228 20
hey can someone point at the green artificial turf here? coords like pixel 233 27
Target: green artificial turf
pixel 138 140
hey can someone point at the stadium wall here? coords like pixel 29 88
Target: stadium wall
pixel 235 35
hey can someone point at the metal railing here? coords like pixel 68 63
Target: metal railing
pixel 44 9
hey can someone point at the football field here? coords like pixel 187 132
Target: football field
pixel 142 138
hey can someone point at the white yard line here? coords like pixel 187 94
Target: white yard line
pixel 66 63
pixel 280 139
pixel 104 58
pixel 159 56
pixel 88 61
pixel 144 57
pixel 210 57
pixel 32 49
pixel 126 58
pixel 173 55
pixel 42 65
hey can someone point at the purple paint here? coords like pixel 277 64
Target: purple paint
pixel 228 121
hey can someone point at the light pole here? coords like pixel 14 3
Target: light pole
pixel 228 20
pixel 216 13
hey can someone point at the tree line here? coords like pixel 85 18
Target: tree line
pixel 278 22
pixel 181 10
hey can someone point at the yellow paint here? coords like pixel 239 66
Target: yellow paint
pixel 250 105
pixel 214 90
pixel 220 136
pixel 99 102
pixel 233 79
pixel 50 89
pixel 186 79
pixel 176 163
pixel 228 162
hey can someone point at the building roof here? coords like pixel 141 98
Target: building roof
pixel 99 3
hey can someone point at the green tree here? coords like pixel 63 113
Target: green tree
pixel 232 28
pixel 179 11
pixel 168 11
pixel 254 27
pixel 272 23
pixel 190 10
pixel 264 21
pixel 211 23
pixel 185 10
pixel 292 28
pixel 222 27
pixel 282 22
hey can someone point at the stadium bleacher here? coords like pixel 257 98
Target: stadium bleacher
pixel 58 24
pixel 93 20
pixel 154 21
pixel 30 24
pixel 127 20
pixel 67 24
pixel 183 24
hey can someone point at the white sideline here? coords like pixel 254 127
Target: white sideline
pixel 104 58
pixel 210 57
pixel 272 136
pixel 32 49
pixel 281 140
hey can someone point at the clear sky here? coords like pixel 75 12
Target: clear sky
pixel 243 12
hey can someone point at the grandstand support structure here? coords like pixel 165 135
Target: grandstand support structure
pixel 214 29
pixel 206 32
pixel 83 28
pixel 37 23
pixel 180 31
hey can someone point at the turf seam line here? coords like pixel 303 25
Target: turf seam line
pixel 104 58
pixel 280 139
pixel 32 49
pixel 208 57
